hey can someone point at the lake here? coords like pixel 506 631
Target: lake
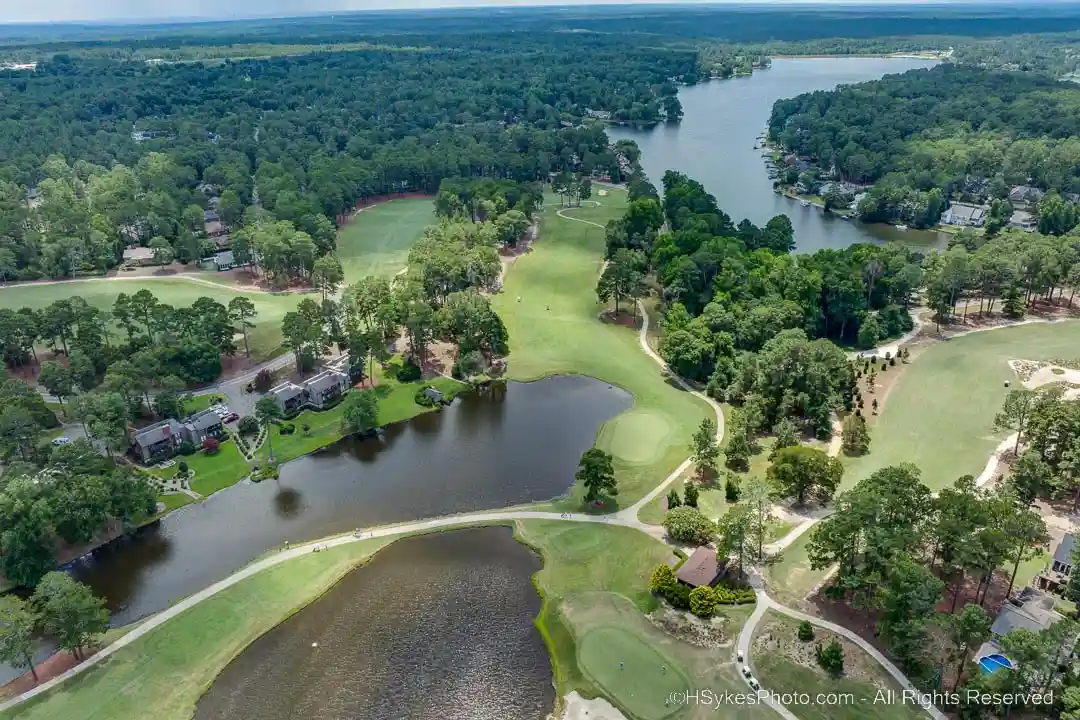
pixel 508 446
pixel 433 627
pixel 714 144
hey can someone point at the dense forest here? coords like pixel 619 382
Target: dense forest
pixel 105 153
pixel 926 135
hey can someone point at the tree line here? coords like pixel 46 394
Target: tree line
pixel 105 153
pixel 925 136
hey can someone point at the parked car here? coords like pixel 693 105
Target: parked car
pixel 746 670
pixel 62 440
pixel 231 417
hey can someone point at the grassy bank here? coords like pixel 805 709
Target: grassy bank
pixel 165 672
pixel 396 403
pixel 940 414
pixel 595 588
pixel 377 240
pixel 555 328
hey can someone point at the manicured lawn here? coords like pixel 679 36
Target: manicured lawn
pixel 377 240
pixel 629 670
pixel 555 329
pixel 174 500
pixel 264 338
pixel 940 414
pixel 212 472
pixel 397 403
pixel 163 674
pixel 779 674
pixel 789 577
pixel 595 588
pixel 201 402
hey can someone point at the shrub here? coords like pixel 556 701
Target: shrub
pixel 892 361
pixel 734 595
pixel 264 380
pixel 690 495
pixel 703 601
pixel 686 524
pixel 187 448
pixel 182 467
pixel 806 631
pixel 831 657
pixel 731 489
pixel 211 445
pixel 409 372
pixel 662 580
pixel 248 425
pixel 678 596
pixel 286 429
pixel 673 499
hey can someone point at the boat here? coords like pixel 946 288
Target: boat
pixel 901 227
pixel 805 203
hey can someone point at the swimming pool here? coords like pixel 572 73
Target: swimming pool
pixel 993 663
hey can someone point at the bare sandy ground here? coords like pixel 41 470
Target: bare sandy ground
pixel 578 708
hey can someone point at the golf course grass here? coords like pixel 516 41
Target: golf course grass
pixel 595 584
pixel 940 414
pixel 555 329
pixel 264 339
pixel 825 697
pixel 163 673
pixel 377 240
pixel 788 577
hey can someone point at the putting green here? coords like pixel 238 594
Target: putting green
pixel 640 436
pixel 632 672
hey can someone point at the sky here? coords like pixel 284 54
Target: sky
pixel 24 11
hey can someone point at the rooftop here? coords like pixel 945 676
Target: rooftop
pixel 204 419
pixel 325 380
pixel 286 391
pixel 1032 610
pixel 701 568
pixel 1064 551
pixel 138 253
pixel 153 434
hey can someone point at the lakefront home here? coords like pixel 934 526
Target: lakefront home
pixel 159 440
pixel 965 215
pixel 203 424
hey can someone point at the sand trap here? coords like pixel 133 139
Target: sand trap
pixel 578 708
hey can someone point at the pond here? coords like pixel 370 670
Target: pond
pixel 715 141
pixel 433 627
pixel 489 450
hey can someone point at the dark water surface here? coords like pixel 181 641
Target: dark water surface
pixel 437 627
pixel 505 447
pixel 714 144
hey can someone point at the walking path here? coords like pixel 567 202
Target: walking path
pixel 626 517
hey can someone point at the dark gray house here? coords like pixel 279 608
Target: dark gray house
pixel 326 388
pixel 202 425
pixel 1055 577
pixel 158 441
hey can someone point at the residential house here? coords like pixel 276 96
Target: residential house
pixel 158 440
pixel 139 255
pixel 224 260
pixel 434 395
pixel 702 568
pixel 1031 609
pixel 289 396
pixel 1022 220
pixel 343 365
pixel 1025 194
pixel 212 224
pixel 598 114
pixel 203 424
pixel 1056 576
pixel 965 215
pixel 326 388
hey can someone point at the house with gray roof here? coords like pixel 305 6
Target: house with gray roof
pixel 158 441
pixel 203 424
pixel 326 388
pixel 1055 577
pixel 1023 194
pixel 1022 220
pixel 965 215
pixel 290 397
